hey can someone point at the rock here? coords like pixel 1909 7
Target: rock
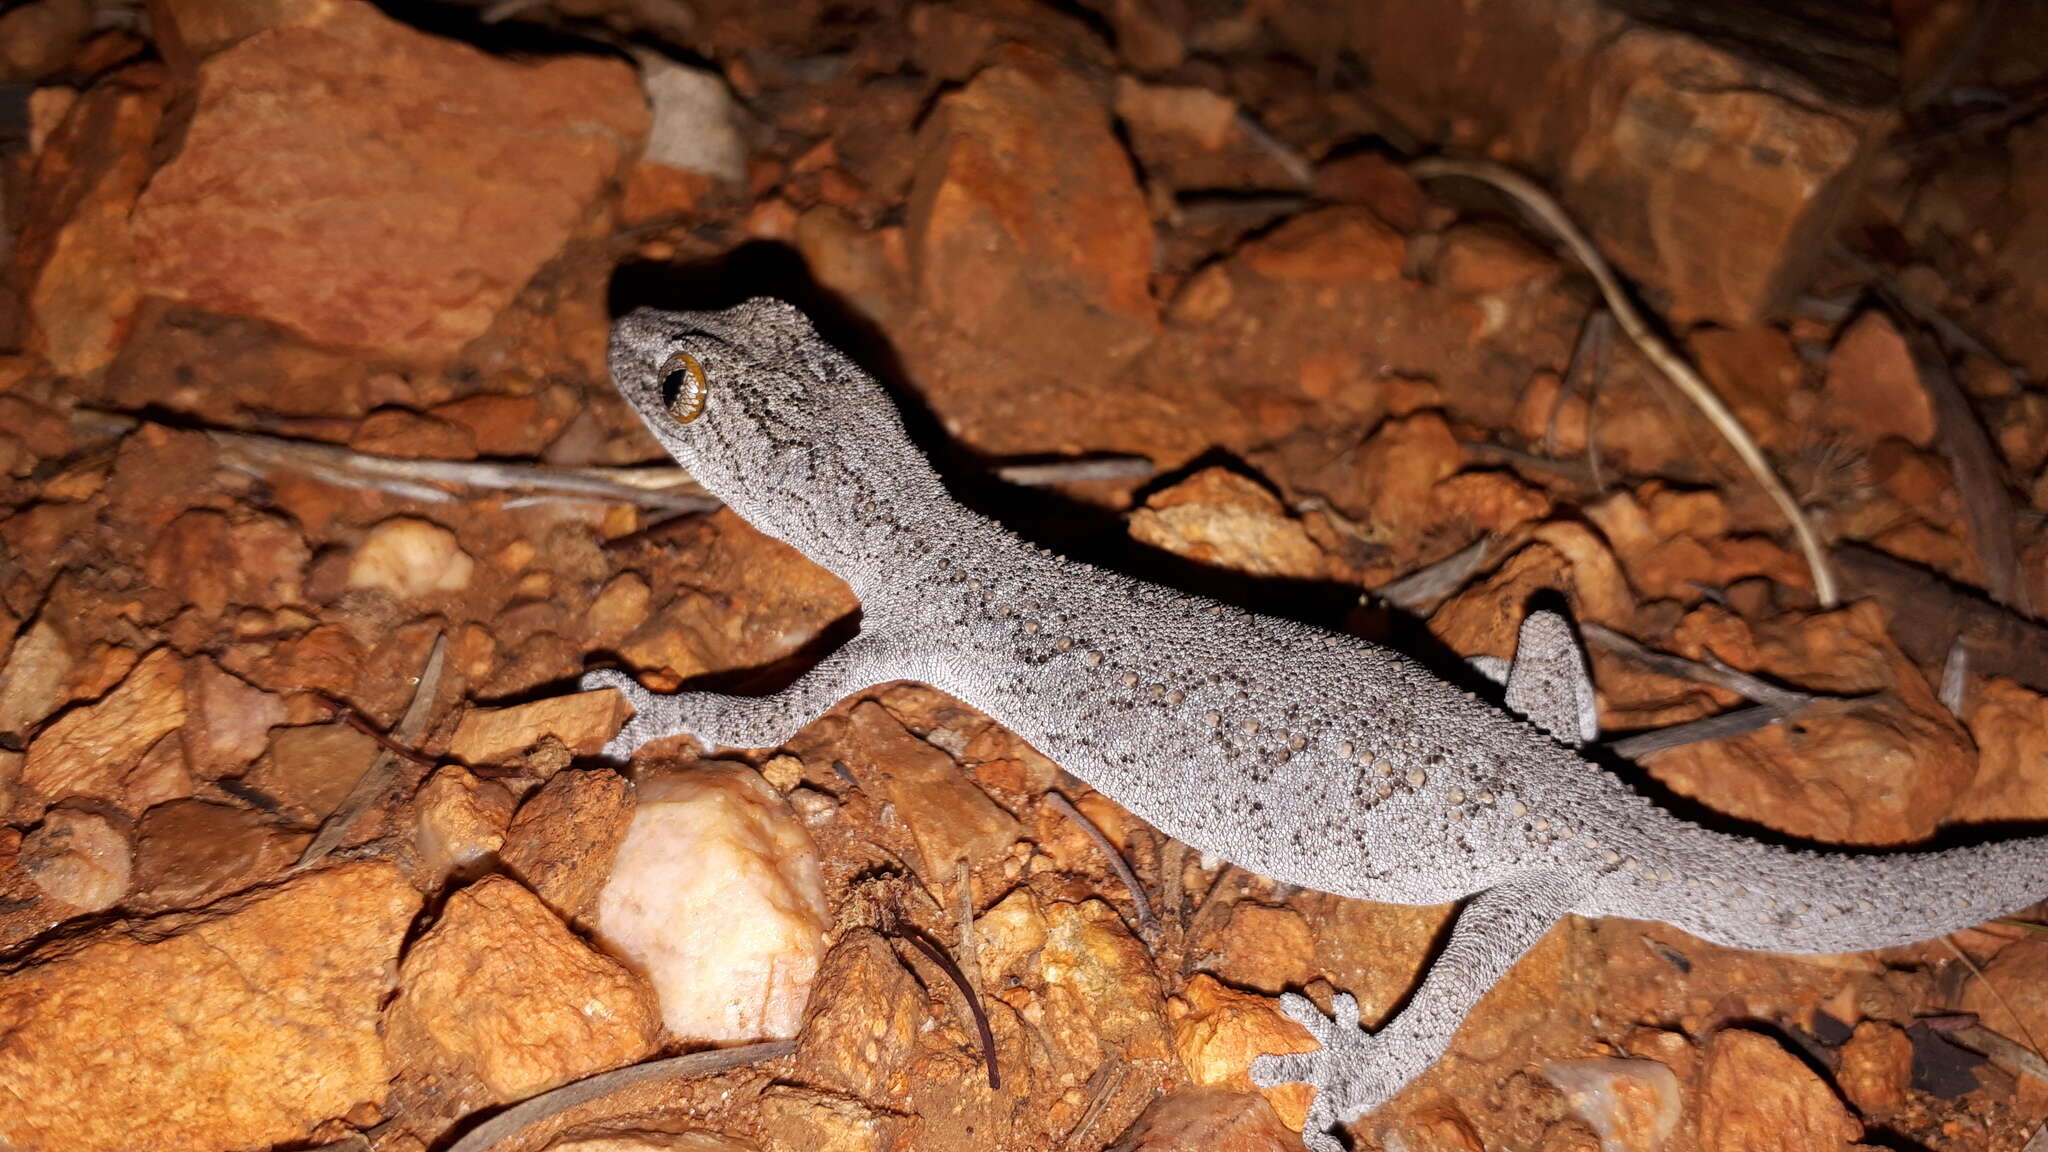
pixel 75 251
pixel 1222 518
pixel 1218 1032
pixel 1757 1097
pixel 1028 234
pixel 501 988
pixel 1265 948
pixel 796 1119
pixel 715 895
pixel 565 836
pixel 211 561
pixel 1633 1105
pixel 696 126
pixel 1193 138
pixel 1876 1068
pixel 864 1022
pixel 206 26
pixel 1873 389
pixel 310 769
pixel 227 720
pixel 32 684
pixel 460 825
pixel 948 818
pixel 409 435
pixel 80 859
pixel 1400 464
pixel 1757 372
pixel 411 559
pixel 1208 1120
pixel 1481 260
pixel 1883 773
pixel 38 39
pixel 619 609
pixel 2010 992
pixel 1379 184
pixel 268 1001
pixel 582 721
pixel 2009 725
pixel 654 1142
pixel 193 852
pixel 90 751
pixel 365 185
pixel 1438 1129
pixel 1568 558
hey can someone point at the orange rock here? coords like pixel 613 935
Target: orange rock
pixel 1265 948
pixel 1873 389
pixel 1191 137
pixel 1218 1032
pixel 562 840
pixel 91 750
pixel 948 818
pixel 206 26
pixel 2009 724
pixel 1876 1068
pixel 864 1020
pixel 1399 465
pixel 1883 772
pixel 500 988
pixel 1756 1097
pixel 1222 518
pixel 1440 1129
pixel 1331 245
pixel 309 769
pixel 459 825
pixel 1633 1104
pixel 212 560
pixel 404 433
pixel 1492 501
pixel 1485 618
pixel 227 720
pixel 1379 184
pixel 1756 371
pixel 1482 259
pixel 268 1000
pixel 314 190
pixel 1208 1120
pixel 1027 230
pixel 581 720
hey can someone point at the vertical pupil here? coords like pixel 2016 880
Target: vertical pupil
pixel 673 386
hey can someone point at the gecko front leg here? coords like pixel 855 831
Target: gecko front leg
pixel 715 718
pixel 1355 1071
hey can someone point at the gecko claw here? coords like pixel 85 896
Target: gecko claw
pixel 621 746
pixel 1346 1071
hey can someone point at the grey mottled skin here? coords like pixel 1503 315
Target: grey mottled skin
pixel 1315 759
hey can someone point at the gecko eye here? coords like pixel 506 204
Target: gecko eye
pixel 684 387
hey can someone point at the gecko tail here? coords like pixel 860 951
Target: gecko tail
pixel 1767 898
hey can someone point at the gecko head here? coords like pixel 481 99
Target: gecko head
pixel 754 403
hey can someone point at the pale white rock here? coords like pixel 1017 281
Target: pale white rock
pixel 716 897
pixel 1633 1104
pixel 696 125
pixel 410 558
pixel 79 858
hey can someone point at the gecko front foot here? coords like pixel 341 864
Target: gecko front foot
pixel 640 729
pixel 1349 1072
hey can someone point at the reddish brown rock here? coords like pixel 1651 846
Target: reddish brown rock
pixel 562 840
pixel 33 680
pixel 2012 992
pixel 193 852
pixel 459 825
pixel 1876 1068
pixel 864 1020
pixel 1209 1120
pixel 411 435
pixel 500 988
pixel 227 720
pixel 948 818
pixel 206 26
pixel 39 38
pixel 1193 138
pixel 1873 389
pixel 1218 1032
pixel 309 769
pixel 76 253
pixel 1265 948
pixel 1223 518
pixel 313 190
pixel 1399 465
pixel 1757 372
pixel 1757 1097
pixel 90 751
pixel 269 1002
pixel 1027 231
pixel 212 560
pixel 582 721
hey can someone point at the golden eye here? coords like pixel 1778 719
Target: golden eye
pixel 684 387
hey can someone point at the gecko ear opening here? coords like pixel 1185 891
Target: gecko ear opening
pixel 684 387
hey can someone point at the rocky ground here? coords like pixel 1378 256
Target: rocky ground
pixel 303 841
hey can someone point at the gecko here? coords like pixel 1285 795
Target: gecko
pixel 1311 757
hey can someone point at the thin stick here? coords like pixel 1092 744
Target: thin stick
pixel 525 1114
pixel 1717 674
pixel 1148 923
pixel 914 936
pixel 1674 367
pixel 970 961
pixel 382 770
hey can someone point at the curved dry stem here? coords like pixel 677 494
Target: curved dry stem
pixel 1541 205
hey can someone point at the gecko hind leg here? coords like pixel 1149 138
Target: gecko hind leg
pixel 1355 1071
pixel 1547 683
pixel 715 718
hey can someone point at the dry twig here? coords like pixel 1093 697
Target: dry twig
pixel 527 1113
pixel 1673 366
pixel 1148 924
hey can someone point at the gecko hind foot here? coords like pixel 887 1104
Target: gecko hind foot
pixel 1347 1070
pixel 636 731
